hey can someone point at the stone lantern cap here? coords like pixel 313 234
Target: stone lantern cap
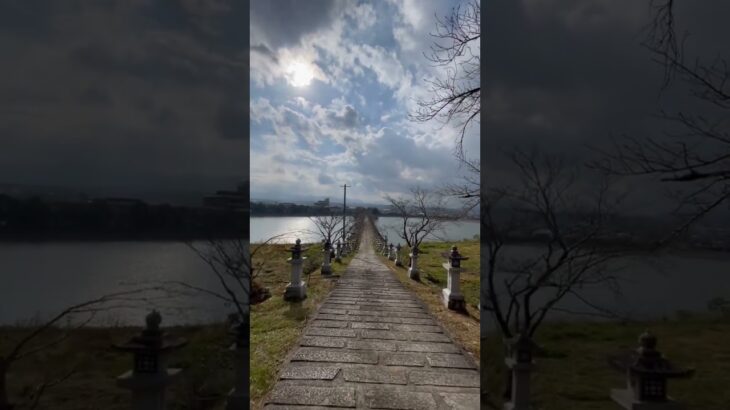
pixel 297 249
pixel 327 244
pixel 455 257
pixel 646 360
pixel 152 338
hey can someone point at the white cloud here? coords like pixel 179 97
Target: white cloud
pixel 345 145
pixel 364 15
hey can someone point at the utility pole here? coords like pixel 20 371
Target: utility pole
pixel 344 211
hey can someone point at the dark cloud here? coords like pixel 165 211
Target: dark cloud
pixel 95 95
pixel 347 118
pixel 147 96
pixel 325 179
pixel 262 49
pixel 283 23
pixel 232 117
pixel 565 76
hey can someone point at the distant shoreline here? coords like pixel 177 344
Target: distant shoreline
pixel 84 238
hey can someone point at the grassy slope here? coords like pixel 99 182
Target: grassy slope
pixel 464 328
pixel 276 325
pixel 205 361
pixel 576 375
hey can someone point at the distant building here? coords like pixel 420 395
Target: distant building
pixel 119 202
pixel 325 203
pixel 233 200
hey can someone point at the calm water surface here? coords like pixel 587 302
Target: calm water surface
pixel 650 286
pixel 263 228
pixel 40 279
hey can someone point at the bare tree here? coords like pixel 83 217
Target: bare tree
pixel 231 262
pixel 421 214
pixel 456 94
pixel 571 224
pixel 547 203
pixel 697 157
pixel 456 49
pixel 41 338
pixel 329 227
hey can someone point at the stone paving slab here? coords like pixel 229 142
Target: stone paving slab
pixel 373 345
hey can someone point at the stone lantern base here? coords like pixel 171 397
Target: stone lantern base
pixel 414 274
pixel 625 399
pixel 237 401
pixel 294 292
pixel 326 270
pixel 132 381
pixel 453 301
pixel 512 406
pixel 148 390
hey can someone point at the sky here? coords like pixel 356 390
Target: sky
pixel 564 76
pixel 332 84
pixel 124 97
pixel 138 97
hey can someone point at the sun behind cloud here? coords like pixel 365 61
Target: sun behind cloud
pixel 299 73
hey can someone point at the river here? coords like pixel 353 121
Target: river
pixel 39 279
pixel 263 228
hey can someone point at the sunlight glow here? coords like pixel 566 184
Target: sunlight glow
pixel 300 74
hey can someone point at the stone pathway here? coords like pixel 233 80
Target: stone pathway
pixel 372 345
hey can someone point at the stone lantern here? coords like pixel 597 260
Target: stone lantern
pixel 391 252
pixel 451 295
pixel 338 252
pixel 413 272
pixel 647 372
pixel 150 376
pixel 326 253
pixel 398 262
pixel 239 397
pixel 519 361
pixel 296 289
pixel 385 245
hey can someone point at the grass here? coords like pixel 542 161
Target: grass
pixel 463 327
pixel 207 362
pixel 276 325
pixel 206 379
pixel 574 372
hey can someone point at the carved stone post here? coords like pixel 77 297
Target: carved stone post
pixel 326 253
pixel 520 364
pixel 296 289
pixel 150 376
pixel 239 398
pixel 413 271
pixel 647 372
pixel 398 261
pixel 451 295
